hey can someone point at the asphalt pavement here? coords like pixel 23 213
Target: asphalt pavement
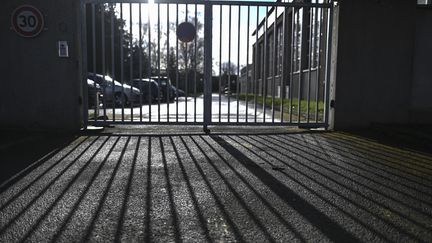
pixel 293 186
pixel 191 109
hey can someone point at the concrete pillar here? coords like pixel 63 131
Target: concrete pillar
pixel 39 90
pixel 374 62
pixel 421 99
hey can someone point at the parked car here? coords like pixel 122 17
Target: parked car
pixel 165 84
pixel 177 91
pixel 95 96
pixel 143 85
pixel 114 92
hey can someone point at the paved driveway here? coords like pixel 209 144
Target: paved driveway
pixel 191 109
pixel 257 188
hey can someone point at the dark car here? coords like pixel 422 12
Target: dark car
pixel 177 92
pixel 143 85
pixel 165 84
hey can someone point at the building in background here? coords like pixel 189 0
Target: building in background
pixel 246 79
pixel 289 50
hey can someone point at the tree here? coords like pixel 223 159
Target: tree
pixel 229 72
pixel 113 51
pixel 190 63
pixel 228 68
pixel 187 59
pixel 106 39
pixel 171 66
pixel 138 56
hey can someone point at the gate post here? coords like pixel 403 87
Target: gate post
pixel 208 18
pixel 332 60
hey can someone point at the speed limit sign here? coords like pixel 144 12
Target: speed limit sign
pixel 27 21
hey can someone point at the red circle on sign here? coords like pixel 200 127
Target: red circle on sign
pixel 27 21
pixel 186 32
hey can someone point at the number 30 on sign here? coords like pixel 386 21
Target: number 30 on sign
pixel 27 21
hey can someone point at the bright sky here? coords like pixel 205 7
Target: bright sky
pixel 243 30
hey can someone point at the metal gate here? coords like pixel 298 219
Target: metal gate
pixel 249 63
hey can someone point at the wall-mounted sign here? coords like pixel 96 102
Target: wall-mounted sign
pixel 27 21
pixel 186 32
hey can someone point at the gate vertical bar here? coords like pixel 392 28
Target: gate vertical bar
pixel 103 56
pixel 177 62
pixel 220 61
pixel 167 66
pixel 195 64
pixel 256 86
pixel 229 63
pixel 149 60
pixel 94 52
pixel 320 31
pixel 327 63
pixel 185 44
pixel 111 6
pixel 158 62
pixel 274 57
pixel 311 45
pixel 247 64
pixel 284 63
pixel 208 12
pixel 301 60
pixel 131 58
pixel 293 62
pixel 140 59
pixel 264 63
pixel 329 66
pixel 121 63
pixel 238 63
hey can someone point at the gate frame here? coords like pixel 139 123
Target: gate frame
pixel 334 32
pixel 330 84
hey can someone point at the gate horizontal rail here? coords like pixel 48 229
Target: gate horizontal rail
pixel 275 124
pixel 211 2
pixel 254 63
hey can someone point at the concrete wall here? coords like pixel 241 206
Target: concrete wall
pixel 40 91
pixel 374 62
pixel 421 96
